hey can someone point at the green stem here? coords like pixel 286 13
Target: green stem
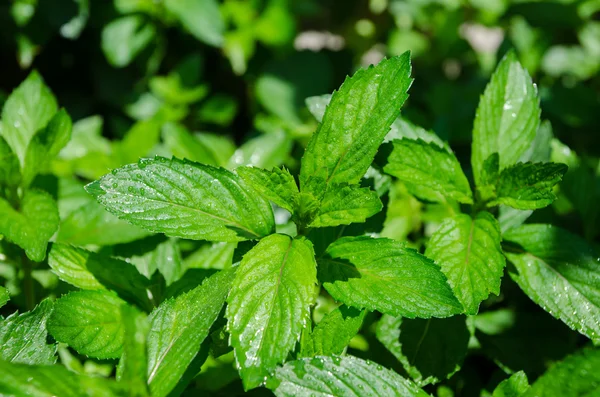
pixel 28 289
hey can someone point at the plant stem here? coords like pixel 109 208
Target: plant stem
pixel 28 289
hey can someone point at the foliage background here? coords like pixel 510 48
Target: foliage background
pixel 142 66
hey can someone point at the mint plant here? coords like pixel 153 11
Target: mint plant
pixel 261 285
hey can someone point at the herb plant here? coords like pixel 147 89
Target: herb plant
pixel 255 291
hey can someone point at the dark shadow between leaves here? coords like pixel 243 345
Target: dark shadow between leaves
pixel 331 269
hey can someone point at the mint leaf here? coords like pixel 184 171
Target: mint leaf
pixel 9 165
pixel 26 111
pixel 384 275
pixel 124 38
pixel 178 327
pixel 211 256
pixel 429 165
pixel 402 128
pixel 4 296
pixel 277 185
pixel 317 105
pixel 507 117
pixel 333 333
pixel 339 376
pixel 53 380
pixel 184 199
pixel 558 271
pixel 515 386
pixel 91 224
pixel 133 368
pixel 45 145
pixel 265 151
pixel 490 173
pixel 91 271
pixel 184 145
pixel 355 123
pixel 469 254
pixel 343 205
pixel 201 18
pixel 528 186
pixel 23 338
pixel 168 260
pixel 577 375
pixel 33 225
pixel 430 350
pixel 90 322
pixel 269 303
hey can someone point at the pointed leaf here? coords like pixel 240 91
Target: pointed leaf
pixel 528 186
pixel 53 380
pixel 45 145
pixel 91 224
pixel 356 121
pixel 9 165
pixel 339 376
pixel 124 38
pixel 4 296
pixel 430 350
pixel 184 199
pixel 343 205
pixel 178 327
pixel 201 18
pixel 90 271
pixel 515 386
pixel 384 275
pixel 429 165
pixel 265 151
pixel 507 117
pixel 183 144
pixel 26 111
pixel 133 368
pixel 560 272
pixel 577 375
pixel 333 333
pixel 277 185
pixel 33 225
pixel 269 304
pixel 90 322
pixel 23 338
pixel 468 252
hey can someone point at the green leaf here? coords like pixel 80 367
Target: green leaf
pixel 277 185
pixel 509 217
pixel 317 105
pixel 577 375
pixel 402 128
pixel 91 224
pixel 45 145
pixel 23 338
pixel 558 271
pixel 133 367
pixel 528 186
pixel 333 333
pixel 201 18
pixel 507 117
pixel 382 274
pixel 178 327
pixel 138 142
pixel 427 164
pixel 265 151
pixel 53 380
pixel 9 164
pixel 211 256
pixel 4 296
pixel 469 254
pixel 355 123
pixel 184 145
pixel 90 271
pixel 89 322
pixel 515 386
pixel 26 111
pixel 184 199
pixel 168 259
pixel 540 149
pixel 490 172
pixel 124 38
pixel 33 225
pixel 269 304
pixel 339 376
pixel 86 136
pixel 430 350
pixel 343 205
